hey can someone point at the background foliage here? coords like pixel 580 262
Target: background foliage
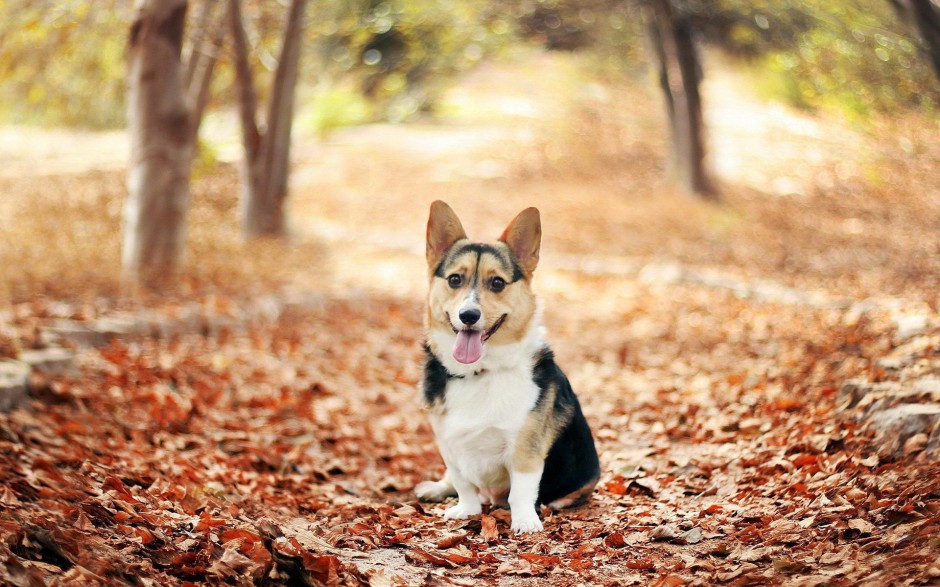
pixel 851 55
pixel 62 63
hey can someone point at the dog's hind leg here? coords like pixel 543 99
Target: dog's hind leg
pixel 435 490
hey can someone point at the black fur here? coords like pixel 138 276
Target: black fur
pixel 435 378
pixel 572 462
pixel 509 263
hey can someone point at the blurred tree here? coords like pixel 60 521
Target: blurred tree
pixel 402 54
pixel 61 63
pixel 267 148
pixel 925 15
pixel 852 56
pixel 163 112
pixel 680 73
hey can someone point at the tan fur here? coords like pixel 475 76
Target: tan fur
pixel 521 238
pixel 575 497
pixel 444 229
pixel 524 238
pixel 541 429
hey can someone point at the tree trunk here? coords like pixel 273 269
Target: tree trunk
pixel 680 75
pixel 927 18
pixel 161 143
pixel 267 152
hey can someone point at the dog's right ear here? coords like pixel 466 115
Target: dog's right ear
pixel 444 229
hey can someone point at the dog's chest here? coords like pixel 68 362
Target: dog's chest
pixel 481 420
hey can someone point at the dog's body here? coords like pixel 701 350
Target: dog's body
pixel 507 422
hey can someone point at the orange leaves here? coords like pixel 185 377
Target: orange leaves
pixel 449 558
pixel 207 522
pixel 488 531
pixel 615 540
pixel 617 486
pixel 289 454
pixel 548 561
pixel 449 540
pixel 805 460
pixel 142 534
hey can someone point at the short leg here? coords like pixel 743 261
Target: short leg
pixel 435 490
pixel 523 493
pixel 468 499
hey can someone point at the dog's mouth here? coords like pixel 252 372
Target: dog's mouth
pixel 468 348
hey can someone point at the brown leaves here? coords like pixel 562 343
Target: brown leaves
pixel 262 458
pixel 449 540
pixel 488 531
pixel 615 540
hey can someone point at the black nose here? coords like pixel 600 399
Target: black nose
pixel 469 317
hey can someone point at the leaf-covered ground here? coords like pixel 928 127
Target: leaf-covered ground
pixel 709 346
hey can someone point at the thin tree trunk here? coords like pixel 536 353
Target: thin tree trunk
pixel 203 58
pixel 267 152
pixel 927 18
pixel 680 76
pixel 280 121
pixel 161 146
pixel 200 35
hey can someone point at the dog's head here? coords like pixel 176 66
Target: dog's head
pixel 480 293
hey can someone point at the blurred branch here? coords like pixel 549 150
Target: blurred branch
pixel 197 44
pixel 247 96
pixel 927 19
pixel 281 106
pixel 202 60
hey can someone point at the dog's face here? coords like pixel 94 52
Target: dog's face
pixel 480 293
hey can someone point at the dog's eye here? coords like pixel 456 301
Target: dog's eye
pixel 455 280
pixel 497 284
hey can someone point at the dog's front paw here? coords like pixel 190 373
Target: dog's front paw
pixel 434 490
pixel 462 511
pixel 526 521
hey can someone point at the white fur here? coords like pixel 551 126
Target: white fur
pixel 480 423
pixel 470 302
pixel 496 357
pixel 525 490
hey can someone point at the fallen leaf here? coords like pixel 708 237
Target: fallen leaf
pixel 664 532
pixel 616 486
pixel 693 536
pixel 421 555
pixel 615 540
pixel 541 559
pixel 863 526
pixel 649 485
pixel 517 566
pixel 804 460
pixel 788 566
pixel 449 540
pixel 643 564
pixel 488 531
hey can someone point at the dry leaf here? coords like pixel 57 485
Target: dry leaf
pixel 489 532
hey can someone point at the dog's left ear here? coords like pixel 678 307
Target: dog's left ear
pixel 524 237
pixel 444 229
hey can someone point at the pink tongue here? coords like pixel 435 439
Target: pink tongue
pixel 469 346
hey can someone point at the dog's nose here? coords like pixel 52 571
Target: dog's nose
pixel 469 317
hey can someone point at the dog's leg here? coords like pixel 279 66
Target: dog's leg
pixel 468 498
pixel 435 490
pixel 523 493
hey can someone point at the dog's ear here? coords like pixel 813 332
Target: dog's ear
pixel 524 237
pixel 444 229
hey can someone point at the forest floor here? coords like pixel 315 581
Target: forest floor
pixel 260 424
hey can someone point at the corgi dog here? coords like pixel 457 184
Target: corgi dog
pixel 507 423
